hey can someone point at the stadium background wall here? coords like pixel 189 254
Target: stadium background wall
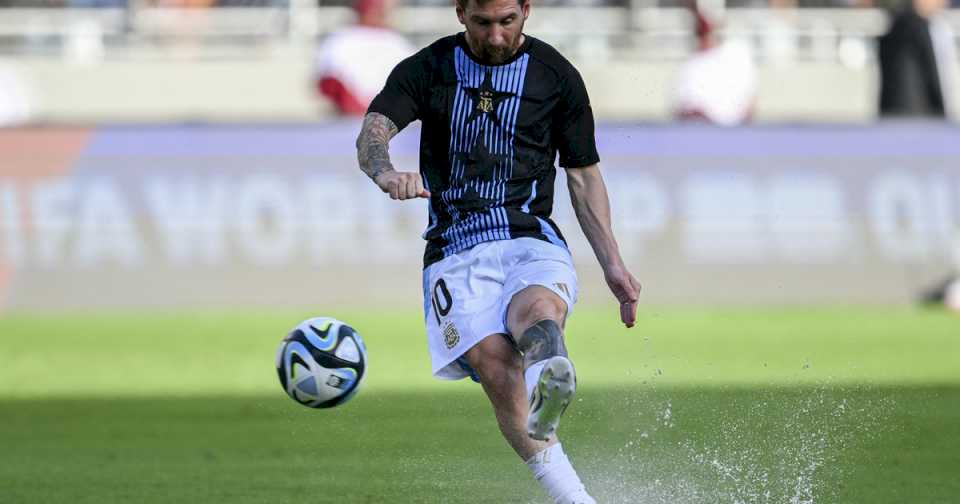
pixel 216 216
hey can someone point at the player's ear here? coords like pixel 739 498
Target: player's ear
pixel 459 5
pixel 525 8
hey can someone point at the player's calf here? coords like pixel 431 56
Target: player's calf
pixel 540 342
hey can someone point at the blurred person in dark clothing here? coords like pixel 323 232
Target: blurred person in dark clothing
pixel 917 63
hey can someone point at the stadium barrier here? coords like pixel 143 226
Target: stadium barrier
pixel 250 64
pixel 211 216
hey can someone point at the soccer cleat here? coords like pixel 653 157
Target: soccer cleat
pixel 551 396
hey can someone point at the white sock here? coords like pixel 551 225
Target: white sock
pixel 552 469
pixel 531 375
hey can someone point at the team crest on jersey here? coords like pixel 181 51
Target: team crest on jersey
pixel 487 98
pixel 486 101
pixel 451 336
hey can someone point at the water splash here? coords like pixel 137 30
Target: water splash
pixel 767 448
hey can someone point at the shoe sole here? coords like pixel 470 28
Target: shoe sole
pixel 556 386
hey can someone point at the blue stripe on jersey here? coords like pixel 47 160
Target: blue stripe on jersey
pixel 492 224
pixel 533 194
pixel 551 235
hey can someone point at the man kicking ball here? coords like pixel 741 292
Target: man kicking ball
pixel 496 107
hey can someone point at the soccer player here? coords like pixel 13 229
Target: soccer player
pixel 496 106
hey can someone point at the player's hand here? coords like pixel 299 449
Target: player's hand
pixel 402 185
pixel 627 290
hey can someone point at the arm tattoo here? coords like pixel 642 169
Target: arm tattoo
pixel 373 144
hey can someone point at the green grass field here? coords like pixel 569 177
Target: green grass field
pixel 780 406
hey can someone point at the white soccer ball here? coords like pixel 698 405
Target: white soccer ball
pixel 321 362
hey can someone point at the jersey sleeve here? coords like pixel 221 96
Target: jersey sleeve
pixel 402 96
pixel 575 127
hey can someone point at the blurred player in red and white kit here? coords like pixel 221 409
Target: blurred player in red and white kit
pixel 718 83
pixel 353 63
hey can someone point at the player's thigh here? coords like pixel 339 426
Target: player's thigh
pixel 462 306
pixel 541 284
pixel 533 304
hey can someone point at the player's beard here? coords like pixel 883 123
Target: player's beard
pixel 498 54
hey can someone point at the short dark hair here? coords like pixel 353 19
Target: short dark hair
pixel 463 3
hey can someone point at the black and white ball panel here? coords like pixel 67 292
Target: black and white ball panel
pixel 321 362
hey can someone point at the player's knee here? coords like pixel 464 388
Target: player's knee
pixel 542 308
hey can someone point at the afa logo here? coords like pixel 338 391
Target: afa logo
pixel 451 336
pixel 486 99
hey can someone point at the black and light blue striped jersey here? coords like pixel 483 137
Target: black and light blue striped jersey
pixel 490 135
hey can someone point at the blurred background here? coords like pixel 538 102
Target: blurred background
pixel 197 147
pixel 815 61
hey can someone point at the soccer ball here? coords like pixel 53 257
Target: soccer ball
pixel 321 362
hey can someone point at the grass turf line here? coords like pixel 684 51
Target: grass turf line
pixel 114 355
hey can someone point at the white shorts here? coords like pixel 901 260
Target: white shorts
pixel 466 295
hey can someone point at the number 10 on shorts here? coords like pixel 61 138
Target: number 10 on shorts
pixel 442 302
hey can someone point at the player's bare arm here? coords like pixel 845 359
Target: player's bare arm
pixel 588 194
pixel 373 154
pixel 373 144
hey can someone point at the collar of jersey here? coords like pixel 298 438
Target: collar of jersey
pixel 462 42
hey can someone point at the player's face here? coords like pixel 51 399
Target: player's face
pixel 494 28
